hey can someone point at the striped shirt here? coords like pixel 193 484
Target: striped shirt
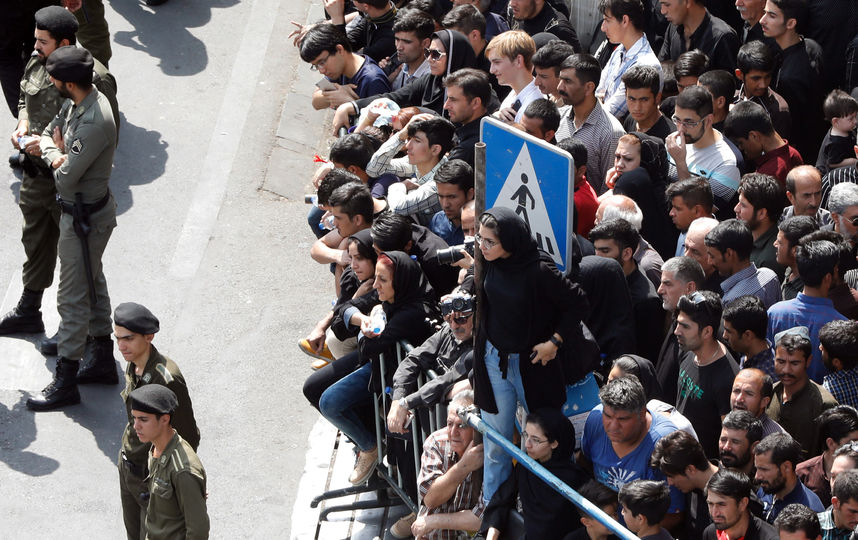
pixel 763 360
pixel 438 458
pixel 599 133
pixel 843 385
pixel 612 90
pixel 760 282
pixel 834 177
pixel 716 163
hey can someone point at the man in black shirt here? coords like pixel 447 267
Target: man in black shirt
pixel 372 31
pixel 729 496
pixel 468 94
pixel 535 16
pixel 751 11
pixel 693 27
pixel 755 67
pixel 643 95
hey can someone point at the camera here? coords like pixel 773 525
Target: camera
pixel 460 302
pixel 452 254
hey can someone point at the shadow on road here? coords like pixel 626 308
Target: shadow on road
pixel 17 432
pixel 140 158
pixel 164 34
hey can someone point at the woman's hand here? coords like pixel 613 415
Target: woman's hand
pixel 366 328
pixel 611 177
pixel 543 353
pixel 364 288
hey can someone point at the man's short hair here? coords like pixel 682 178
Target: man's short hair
pixel 438 131
pixel 845 248
pixel 756 56
pixel 473 82
pixel 353 199
pixel 741 420
pixel 783 448
pixel 839 104
pixel 624 394
pixel 649 498
pixel 796 518
pixel 599 494
pixel 731 234
pixel 331 181
pixel 795 227
pixel 794 342
pixel 801 170
pixel 552 55
pixel 463 398
pixel 465 19
pixel 729 483
pixel 513 43
pixel 414 20
pixel 846 486
pixel 634 216
pixel 792 9
pixel 849 450
pixel 815 259
pixel 641 76
pixel 545 110
pixel 633 9
pixel 842 196
pixel 674 452
pixel 840 339
pixel 837 423
pixel 618 230
pixel 697 99
pixel 354 149
pixel 720 83
pixel 693 191
pixel 323 37
pixel 745 117
pixel 764 191
pixel 391 232
pixel 586 67
pixel 685 269
pixel 691 63
pixel 456 172
pixel 576 149
pixel 702 307
pixel 747 313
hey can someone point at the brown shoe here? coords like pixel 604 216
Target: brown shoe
pixel 366 462
pixel 325 355
pixel 402 528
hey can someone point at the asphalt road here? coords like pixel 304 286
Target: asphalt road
pixel 215 152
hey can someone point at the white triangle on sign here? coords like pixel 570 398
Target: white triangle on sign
pixel 522 194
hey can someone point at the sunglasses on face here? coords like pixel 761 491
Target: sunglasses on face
pixel 433 54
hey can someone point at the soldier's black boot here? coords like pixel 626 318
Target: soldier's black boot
pixel 61 392
pixel 26 317
pixel 48 346
pixel 98 365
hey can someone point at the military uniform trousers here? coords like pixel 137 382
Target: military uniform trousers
pixel 93 33
pixel 134 494
pixel 78 318
pixel 40 231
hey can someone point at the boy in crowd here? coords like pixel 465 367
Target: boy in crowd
pixel 837 148
pixel 645 503
pixel 643 96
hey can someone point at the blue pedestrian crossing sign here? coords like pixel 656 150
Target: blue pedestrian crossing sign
pixel 536 180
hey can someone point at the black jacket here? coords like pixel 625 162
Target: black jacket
pixel 714 37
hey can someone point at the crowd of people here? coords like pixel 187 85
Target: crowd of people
pixel 712 293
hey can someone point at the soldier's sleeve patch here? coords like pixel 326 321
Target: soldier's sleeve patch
pixel 76 147
pixel 162 369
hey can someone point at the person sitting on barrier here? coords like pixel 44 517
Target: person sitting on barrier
pixel 549 438
pixel 450 480
pixel 353 153
pixel 645 502
pixel 619 437
pixel 426 140
pixel 342 388
pixel 332 338
pixel 605 500
pixel 531 310
pixel 728 494
pixel 448 352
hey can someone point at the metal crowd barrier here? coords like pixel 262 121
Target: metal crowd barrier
pixel 533 466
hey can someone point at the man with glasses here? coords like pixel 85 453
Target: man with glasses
pixel 707 370
pixel 698 149
pixel 351 76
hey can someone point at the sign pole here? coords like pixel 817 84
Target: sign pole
pixel 479 208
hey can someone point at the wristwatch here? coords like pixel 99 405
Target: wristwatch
pixel 557 343
pixel 403 403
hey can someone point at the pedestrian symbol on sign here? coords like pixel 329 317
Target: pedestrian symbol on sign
pixel 522 194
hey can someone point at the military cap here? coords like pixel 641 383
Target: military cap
pixel 136 318
pixel 70 64
pixel 60 22
pixel 154 399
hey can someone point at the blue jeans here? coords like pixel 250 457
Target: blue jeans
pixel 314 216
pixel 497 464
pixel 339 400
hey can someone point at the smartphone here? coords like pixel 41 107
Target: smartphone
pixel 326 84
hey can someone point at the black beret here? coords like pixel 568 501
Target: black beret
pixel 58 21
pixel 136 318
pixel 70 64
pixel 154 399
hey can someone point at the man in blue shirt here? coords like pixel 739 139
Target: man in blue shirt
pixel 775 458
pixel 454 181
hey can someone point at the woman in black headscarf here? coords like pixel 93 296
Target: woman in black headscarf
pixel 407 300
pixel 528 311
pixel 449 51
pixel 549 438
pixel 611 317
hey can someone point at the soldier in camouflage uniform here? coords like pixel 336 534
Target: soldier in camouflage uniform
pixel 134 328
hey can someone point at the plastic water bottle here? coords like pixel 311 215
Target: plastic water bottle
pixel 25 140
pixel 378 320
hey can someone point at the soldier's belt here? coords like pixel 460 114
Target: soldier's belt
pixel 68 207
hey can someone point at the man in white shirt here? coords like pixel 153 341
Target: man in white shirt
pixel 511 54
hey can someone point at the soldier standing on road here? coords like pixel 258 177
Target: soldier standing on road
pixel 135 327
pixel 39 103
pixel 177 480
pixel 78 145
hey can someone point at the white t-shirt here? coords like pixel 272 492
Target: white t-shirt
pixel 528 93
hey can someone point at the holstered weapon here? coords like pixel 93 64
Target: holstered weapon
pixel 80 218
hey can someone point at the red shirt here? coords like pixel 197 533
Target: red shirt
pixel 779 162
pixel 586 203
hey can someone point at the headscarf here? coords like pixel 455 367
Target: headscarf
pixel 515 237
pixel 611 316
pixel 363 241
pixel 460 55
pixel 410 285
pixel 646 376
pixel 558 428
pixel 653 157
